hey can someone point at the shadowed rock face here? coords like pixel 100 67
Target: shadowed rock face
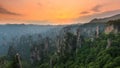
pixel 117 26
pixel 113 26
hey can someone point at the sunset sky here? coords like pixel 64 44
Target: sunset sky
pixel 56 11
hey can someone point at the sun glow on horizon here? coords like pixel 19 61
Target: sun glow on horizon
pixel 54 11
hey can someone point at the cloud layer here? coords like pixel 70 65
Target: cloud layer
pixel 85 12
pixel 5 11
pixel 97 8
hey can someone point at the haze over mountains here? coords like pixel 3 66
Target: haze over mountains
pixel 10 31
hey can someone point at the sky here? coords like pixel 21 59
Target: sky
pixel 55 11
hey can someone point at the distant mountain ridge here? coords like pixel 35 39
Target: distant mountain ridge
pixel 103 20
pixel 88 29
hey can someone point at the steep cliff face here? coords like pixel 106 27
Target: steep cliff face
pixel 113 26
pixel 109 29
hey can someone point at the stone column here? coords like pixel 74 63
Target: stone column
pixel 108 43
pixel 97 31
pixel 18 61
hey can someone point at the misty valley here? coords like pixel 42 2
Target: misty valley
pixel 95 44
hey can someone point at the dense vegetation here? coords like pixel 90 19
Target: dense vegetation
pixel 93 53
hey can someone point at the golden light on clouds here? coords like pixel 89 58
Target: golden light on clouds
pixel 55 11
